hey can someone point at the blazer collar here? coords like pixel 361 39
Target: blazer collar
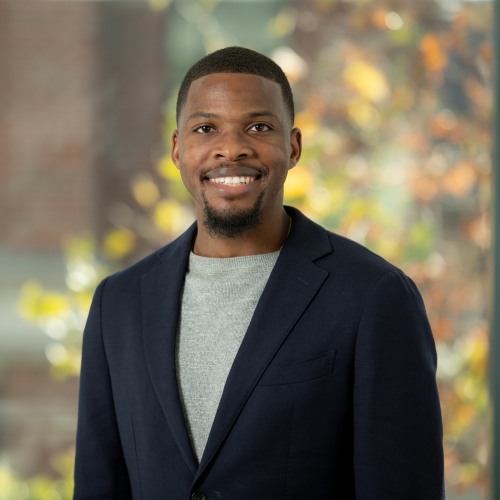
pixel 291 287
pixel 161 293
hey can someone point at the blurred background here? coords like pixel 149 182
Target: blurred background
pixel 394 99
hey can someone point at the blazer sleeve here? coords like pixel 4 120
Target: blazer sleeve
pixel 398 450
pixel 100 470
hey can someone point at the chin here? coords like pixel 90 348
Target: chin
pixel 231 221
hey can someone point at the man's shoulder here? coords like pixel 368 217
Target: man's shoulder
pixel 350 264
pixel 343 251
pixel 355 253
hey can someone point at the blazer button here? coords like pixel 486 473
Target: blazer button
pixel 198 495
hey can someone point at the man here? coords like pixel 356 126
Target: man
pixel 258 356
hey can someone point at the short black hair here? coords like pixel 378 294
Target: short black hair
pixel 236 60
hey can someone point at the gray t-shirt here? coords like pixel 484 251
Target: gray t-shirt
pixel 218 302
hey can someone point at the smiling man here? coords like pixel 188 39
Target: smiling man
pixel 258 356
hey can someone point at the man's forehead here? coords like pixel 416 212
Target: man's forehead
pixel 228 78
pixel 234 86
pixel 221 98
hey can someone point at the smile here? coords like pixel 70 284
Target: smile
pixel 232 181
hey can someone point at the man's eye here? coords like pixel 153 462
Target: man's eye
pixel 204 129
pixel 260 127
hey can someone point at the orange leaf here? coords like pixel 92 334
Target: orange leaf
pixel 434 55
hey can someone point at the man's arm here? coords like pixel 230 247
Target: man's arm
pixel 398 452
pixel 100 470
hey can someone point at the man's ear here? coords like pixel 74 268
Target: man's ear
pixel 296 147
pixel 175 148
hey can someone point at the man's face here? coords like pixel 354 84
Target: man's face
pixel 234 147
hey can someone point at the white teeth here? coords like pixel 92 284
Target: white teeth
pixel 232 181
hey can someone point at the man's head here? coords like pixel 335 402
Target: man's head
pixel 237 60
pixel 235 141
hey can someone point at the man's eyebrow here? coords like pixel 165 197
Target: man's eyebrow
pixel 213 116
pixel 260 114
pixel 202 115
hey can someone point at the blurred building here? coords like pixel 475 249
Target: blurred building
pixel 82 85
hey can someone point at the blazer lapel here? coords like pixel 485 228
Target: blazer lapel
pixel 161 292
pixel 293 283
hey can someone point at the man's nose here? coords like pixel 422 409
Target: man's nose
pixel 232 146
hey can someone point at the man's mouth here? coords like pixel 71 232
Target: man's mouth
pixel 233 181
pixel 239 175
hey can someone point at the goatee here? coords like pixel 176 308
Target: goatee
pixel 231 223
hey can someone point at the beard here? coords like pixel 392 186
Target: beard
pixel 230 223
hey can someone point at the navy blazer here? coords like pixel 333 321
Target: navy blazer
pixel 332 393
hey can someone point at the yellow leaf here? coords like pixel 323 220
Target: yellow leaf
pixel 468 473
pixel 368 80
pixel 171 217
pixel 298 183
pixel 168 170
pixel 465 387
pixel 159 5
pixel 145 190
pixel 307 123
pixel 83 301
pixel 118 243
pixel 36 303
pixel 320 201
pixel 364 114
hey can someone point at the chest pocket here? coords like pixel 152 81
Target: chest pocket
pixel 282 373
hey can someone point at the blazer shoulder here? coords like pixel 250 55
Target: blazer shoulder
pixel 335 253
pixel 351 250
pixel 358 264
